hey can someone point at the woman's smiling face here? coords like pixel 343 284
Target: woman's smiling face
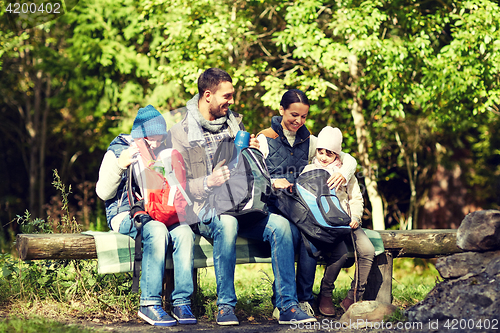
pixel 294 117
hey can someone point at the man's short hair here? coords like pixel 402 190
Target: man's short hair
pixel 211 78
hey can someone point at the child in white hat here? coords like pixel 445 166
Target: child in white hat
pixel 328 150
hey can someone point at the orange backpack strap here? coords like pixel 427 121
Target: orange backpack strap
pixel 269 133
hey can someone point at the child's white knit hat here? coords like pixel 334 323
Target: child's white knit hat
pixel 331 139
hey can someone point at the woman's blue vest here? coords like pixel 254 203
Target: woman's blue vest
pixel 285 161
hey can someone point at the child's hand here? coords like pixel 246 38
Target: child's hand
pixel 335 181
pixel 354 224
pixel 127 156
pixel 282 183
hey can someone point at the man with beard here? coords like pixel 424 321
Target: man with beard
pixel 207 122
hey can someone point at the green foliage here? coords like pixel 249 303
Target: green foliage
pixel 424 71
pixel 426 79
pixel 67 224
pixel 29 225
pixel 462 79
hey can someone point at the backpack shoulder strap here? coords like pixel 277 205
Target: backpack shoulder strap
pixel 172 179
pixel 225 151
pixel 138 239
pixel 130 192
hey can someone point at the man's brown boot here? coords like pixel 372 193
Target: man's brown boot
pixel 326 307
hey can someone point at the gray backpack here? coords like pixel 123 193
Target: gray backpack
pixel 247 191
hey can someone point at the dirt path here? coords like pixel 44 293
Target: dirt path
pixel 323 325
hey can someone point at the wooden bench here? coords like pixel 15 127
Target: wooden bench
pixel 430 243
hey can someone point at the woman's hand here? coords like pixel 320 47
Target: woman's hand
pixel 254 143
pixel 127 156
pixel 335 181
pixel 282 183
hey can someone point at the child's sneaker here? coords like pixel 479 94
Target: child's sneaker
pixel 156 316
pixel 184 315
pixel 294 315
pixel 226 316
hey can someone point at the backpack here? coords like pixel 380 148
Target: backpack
pixel 315 210
pixel 161 181
pixel 246 192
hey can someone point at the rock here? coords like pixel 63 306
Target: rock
pixel 493 268
pixel 460 264
pixel 480 231
pixel 366 312
pixel 471 297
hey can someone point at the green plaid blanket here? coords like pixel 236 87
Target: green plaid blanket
pixel 115 251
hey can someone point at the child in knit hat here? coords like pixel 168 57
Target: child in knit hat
pixel 328 149
pixel 327 157
pixel 150 127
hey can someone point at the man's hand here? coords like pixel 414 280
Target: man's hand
pixel 254 143
pixel 220 175
pixel 335 181
pixel 282 183
pixel 127 156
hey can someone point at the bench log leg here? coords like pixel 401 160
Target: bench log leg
pixel 168 286
pixel 379 286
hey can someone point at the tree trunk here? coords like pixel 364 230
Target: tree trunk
pixel 43 143
pixel 362 137
pixel 411 168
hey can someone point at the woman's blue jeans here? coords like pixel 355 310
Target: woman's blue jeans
pixel 275 230
pixel 335 259
pixel 155 240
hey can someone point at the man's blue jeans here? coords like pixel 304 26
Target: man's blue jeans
pixel 274 229
pixel 155 240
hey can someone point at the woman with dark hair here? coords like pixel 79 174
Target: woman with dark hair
pixel 288 147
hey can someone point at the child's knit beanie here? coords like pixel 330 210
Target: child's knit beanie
pixel 148 122
pixel 331 139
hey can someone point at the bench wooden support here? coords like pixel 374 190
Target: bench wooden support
pixel 430 243
pixel 379 285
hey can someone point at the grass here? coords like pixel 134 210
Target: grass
pixel 47 292
pixel 38 325
pixel 413 279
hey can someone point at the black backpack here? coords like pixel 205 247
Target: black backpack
pixel 247 191
pixel 315 210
